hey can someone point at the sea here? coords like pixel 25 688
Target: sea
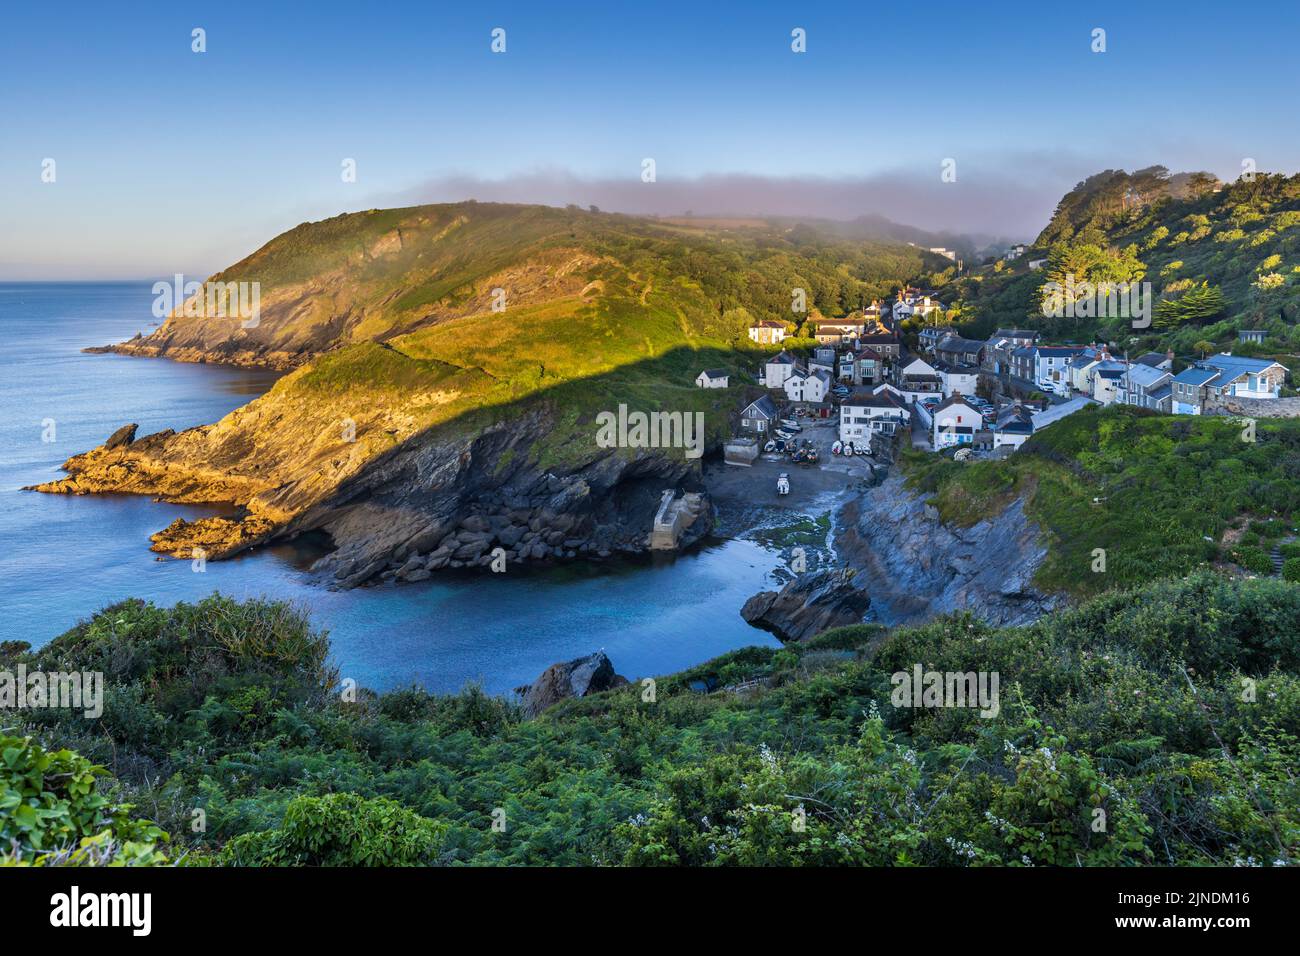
pixel 64 557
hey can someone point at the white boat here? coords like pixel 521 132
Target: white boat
pixel 837 448
pixel 783 484
pixel 770 446
pixel 848 448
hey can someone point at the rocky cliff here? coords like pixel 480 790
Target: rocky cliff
pixel 441 498
pixel 914 566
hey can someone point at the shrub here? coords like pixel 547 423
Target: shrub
pixel 341 829
pixel 1291 570
pixel 51 811
pixel 1253 558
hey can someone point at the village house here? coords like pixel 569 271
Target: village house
pixel 767 332
pixel 810 386
pixel 1021 363
pixel 957 378
pixel 1036 264
pixel 868 367
pixel 956 350
pixel 911 304
pixel 759 415
pixel 1015 252
pixel 838 331
pixel 1083 365
pixel 1252 335
pixel 864 412
pixel 1161 360
pixel 778 368
pixel 931 335
pixel 1108 381
pixel 1052 362
pixel 1148 387
pixel 887 344
pixel 713 378
pixel 998 349
pixel 916 378
pixel 1204 385
pixel 954 423
pixel 1014 426
pixel 823 359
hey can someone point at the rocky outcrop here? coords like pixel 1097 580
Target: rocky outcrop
pixel 808 605
pixel 122 437
pixel 577 678
pixel 394 505
pixel 915 567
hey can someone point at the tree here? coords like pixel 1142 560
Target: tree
pixel 1204 347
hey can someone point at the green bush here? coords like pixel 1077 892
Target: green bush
pixel 341 829
pixel 1253 558
pixel 1291 569
pixel 1094 713
pixel 52 812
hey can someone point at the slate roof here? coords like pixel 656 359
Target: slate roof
pixel 1195 375
pixel 1144 376
pixel 1235 366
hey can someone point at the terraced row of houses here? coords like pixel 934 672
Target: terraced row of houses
pixel 1149 381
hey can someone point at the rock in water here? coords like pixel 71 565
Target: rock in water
pixel 122 437
pixel 577 678
pixel 808 605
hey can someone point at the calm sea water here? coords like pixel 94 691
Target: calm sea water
pixel 62 557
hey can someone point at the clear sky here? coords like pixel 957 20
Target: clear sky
pixel 173 161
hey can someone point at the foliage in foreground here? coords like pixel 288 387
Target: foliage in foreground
pixel 1151 726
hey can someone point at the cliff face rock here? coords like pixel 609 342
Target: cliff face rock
pixel 397 501
pixel 576 678
pixel 808 605
pixel 916 567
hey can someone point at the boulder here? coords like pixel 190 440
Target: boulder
pixel 122 437
pixel 577 678
pixel 807 605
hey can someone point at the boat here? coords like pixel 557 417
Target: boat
pixel 770 446
pixel 837 448
pixel 783 484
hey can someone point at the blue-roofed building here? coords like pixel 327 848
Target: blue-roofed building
pixel 1189 389
pixel 1204 385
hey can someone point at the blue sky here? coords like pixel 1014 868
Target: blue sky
pixel 173 161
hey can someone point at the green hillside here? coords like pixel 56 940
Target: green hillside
pixel 1155 725
pixel 374 275
pixel 1159 495
pixel 1219 258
